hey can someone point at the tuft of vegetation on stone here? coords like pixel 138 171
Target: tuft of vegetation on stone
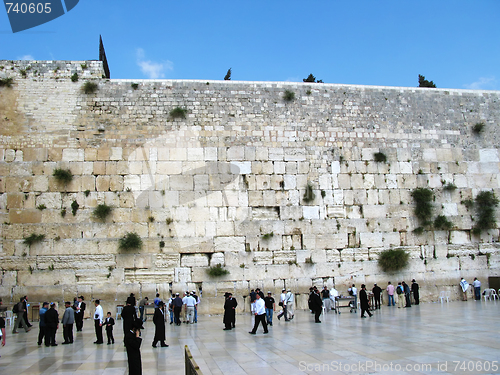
pixel 379 157
pixel 74 207
pixel 478 128
pixel 33 239
pixel 309 194
pixel 288 96
pixel 178 112
pixel 392 260
pixel 74 77
pixel 423 207
pixel 63 176
pixel 102 211
pixel 131 241
pixel 217 271
pixel 89 87
pixel 485 204
pixel 6 82
pixel 135 86
pixel 442 223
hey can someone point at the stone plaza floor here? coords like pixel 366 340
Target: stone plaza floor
pixel 432 338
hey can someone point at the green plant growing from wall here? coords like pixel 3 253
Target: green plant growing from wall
pixel 86 193
pixel 379 157
pixel 74 207
pixel 442 223
pixel 309 195
pixel 33 239
pixel 423 206
pixel 74 77
pixel 6 82
pixel 62 176
pixel 288 96
pixel 131 241
pixel 102 211
pixel 134 86
pixel 392 260
pixel 449 187
pixel 308 260
pixel 485 204
pixel 63 212
pixel 178 113
pixel 41 207
pixel 151 219
pixel 89 87
pixel 217 271
pixel 23 73
pixel 84 66
pixel 468 203
pixel 267 236
pixel 478 128
pixel 162 244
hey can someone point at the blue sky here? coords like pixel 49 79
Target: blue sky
pixel 455 43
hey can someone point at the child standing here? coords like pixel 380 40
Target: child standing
pixel 110 322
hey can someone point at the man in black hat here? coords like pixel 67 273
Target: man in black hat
pixel 363 302
pixel 79 312
pixel 128 314
pixel 414 290
pixel 133 343
pixel 376 295
pixel 159 321
pixel 229 312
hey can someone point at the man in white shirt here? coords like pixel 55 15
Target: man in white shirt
pixel 283 305
pixel 290 301
pixel 354 292
pixel 260 315
pixel 477 289
pixel 189 302
pixel 98 320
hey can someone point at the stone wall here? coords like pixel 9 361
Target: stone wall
pixel 228 184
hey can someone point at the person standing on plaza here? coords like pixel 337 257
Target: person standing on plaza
pixel 390 293
pixel 197 298
pixel 464 285
pixel 363 302
pixel 133 343
pixel 98 321
pixel 171 308
pixel 79 313
pixel 142 305
pixel 290 302
pixel 353 291
pixel 477 289
pixel 41 324
pixel 415 290
pixel 190 305
pixel 377 291
pixel 68 320
pixel 230 305
pixel 177 303
pixel 51 325
pixel 270 305
pixel 3 335
pixel 157 300
pixel 109 323
pixel 19 311
pixel 25 313
pixel 316 305
pixel 407 292
pixel 260 315
pixel 400 292
pixel 128 315
pixel 283 306
pixel 325 296
pixel 159 321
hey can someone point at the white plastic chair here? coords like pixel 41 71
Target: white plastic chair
pixel 448 295
pixel 442 296
pixel 486 295
pixel 9 317
pixel 493 294
pixel 119 311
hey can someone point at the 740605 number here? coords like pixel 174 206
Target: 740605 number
pixel 28 7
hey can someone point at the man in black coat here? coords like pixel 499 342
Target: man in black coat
pixel 316 305
pixel 407 292
pixel 416 294
pixel 79 313
pixel 376 295
pixel 133 343
pixel 229 312
pixel 51 325
pixel 159 321
pixel 363 302
pixel 128 315
pixel 177 304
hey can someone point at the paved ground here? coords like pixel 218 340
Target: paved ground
pixel 432 338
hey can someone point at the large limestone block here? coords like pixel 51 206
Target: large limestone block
pixel 459 237
pixel 194 260
pixel 229 243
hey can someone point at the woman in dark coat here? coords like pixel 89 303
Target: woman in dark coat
pixel 133 343
pixel 159 321
pixel 363 302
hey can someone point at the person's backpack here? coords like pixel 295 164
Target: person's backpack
pixel 15 309
pixel 399 289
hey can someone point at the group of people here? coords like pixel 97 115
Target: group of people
pixel 185 309
pixel 464 286
pixel 403 293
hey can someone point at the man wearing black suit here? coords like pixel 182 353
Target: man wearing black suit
pixel 159 321
pixel 229 312
pixel 79 312
pixel 51 324
pixel 128 315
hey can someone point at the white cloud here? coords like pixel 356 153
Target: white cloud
pixel 483 83
pixel 26 57
pixel 150 68
pixel 293 79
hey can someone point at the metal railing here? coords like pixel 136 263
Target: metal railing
pixel 190 364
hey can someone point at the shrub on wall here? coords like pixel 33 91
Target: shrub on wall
pixel 89 87
pixel 217 271
pixel 478 128
pixel 288 96
pixel 33 239
pixel 423 207
pixel 309 194
pixel 393 260
pixel 178 112
pixel 131 241
pixel 485 204
pixel 442 223
pixel 380 157
pixel 102 211
pixel 63 176
pixel 7 82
